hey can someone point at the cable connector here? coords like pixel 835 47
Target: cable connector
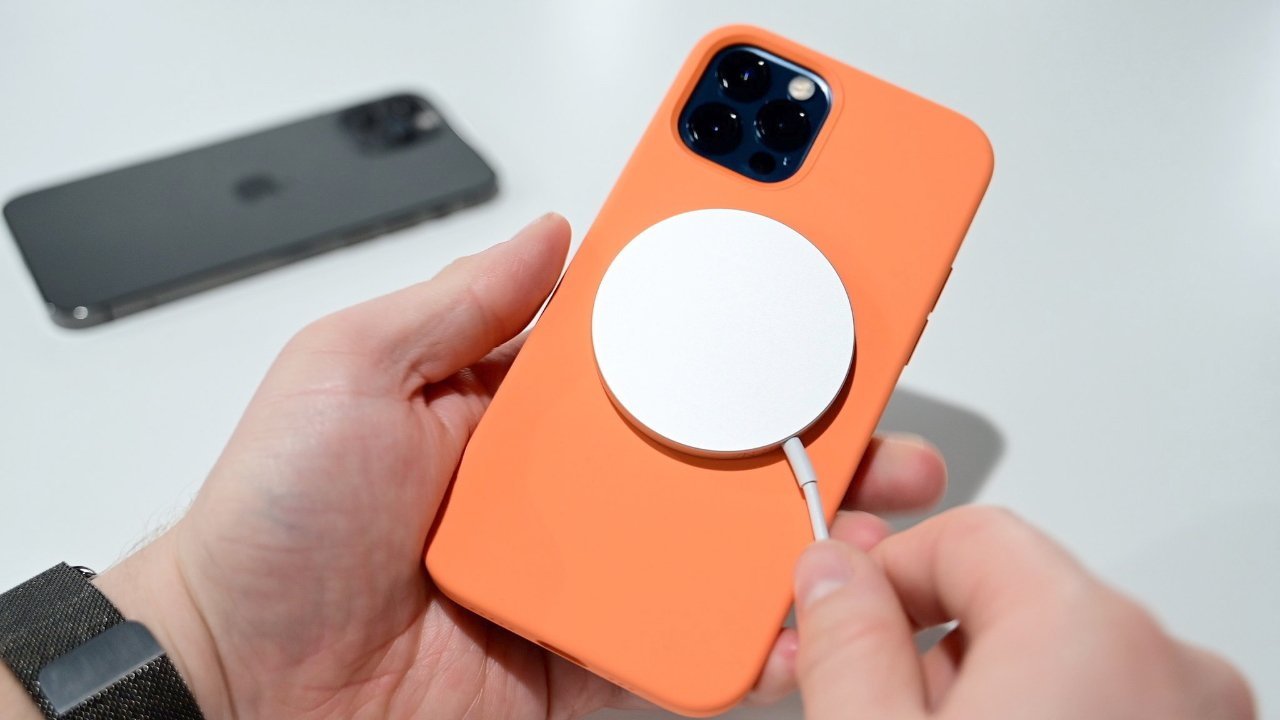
pixel 807 479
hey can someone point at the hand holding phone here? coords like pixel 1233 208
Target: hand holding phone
pixel 302 553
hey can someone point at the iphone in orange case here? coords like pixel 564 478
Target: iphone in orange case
pixel 665 572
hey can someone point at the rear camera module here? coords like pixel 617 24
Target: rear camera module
pixel 754 113
pixel 390 123
pixel 714 129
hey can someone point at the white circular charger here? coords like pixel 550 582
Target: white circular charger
pixel 722 332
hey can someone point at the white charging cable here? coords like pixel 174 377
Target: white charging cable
pixel 807 478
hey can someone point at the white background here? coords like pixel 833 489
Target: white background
pixel 1104 360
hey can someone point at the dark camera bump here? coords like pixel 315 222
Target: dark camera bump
pixel 754 113
pixel 389 123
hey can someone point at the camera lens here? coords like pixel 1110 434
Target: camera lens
pixel 714 128
pixel 743 75
pixel 783 126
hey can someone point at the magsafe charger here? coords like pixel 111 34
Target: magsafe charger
pixel 722 332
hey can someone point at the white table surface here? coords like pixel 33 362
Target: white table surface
pixel 1104 360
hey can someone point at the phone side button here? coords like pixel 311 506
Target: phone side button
pixel 924 325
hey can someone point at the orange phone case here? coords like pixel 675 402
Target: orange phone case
pixel 669 574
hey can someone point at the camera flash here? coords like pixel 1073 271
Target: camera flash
pixel 801 88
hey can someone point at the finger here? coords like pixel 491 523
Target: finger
pixel 463 397
pixel 492 370
pixel 859 529
pixel 941 664
pixel 428 331
pixel 977 565
pixel 898 473
pixel 1224 691
pixel 778 678
pixel 856 648
pixel 573 691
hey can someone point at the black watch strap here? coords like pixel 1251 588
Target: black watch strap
pixel 54 636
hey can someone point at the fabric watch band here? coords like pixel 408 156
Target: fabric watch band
pixel 54 615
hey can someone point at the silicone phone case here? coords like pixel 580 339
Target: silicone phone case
pixel 666 573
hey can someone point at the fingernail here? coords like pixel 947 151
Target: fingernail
pixel 532 224
pixel 539 220
pixel 824 568
pixel 906 438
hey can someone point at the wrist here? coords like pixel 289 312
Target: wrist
pixel 149 587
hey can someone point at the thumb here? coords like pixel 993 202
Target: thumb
pixel 424 333
pixel 857 655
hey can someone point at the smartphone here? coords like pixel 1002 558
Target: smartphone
pixel 121 241
pixel 666 573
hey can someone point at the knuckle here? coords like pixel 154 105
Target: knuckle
pixel 331 352
pixel 1225 688
pixel 344 333
pixel 972 518
pixel 326 331
pixel 464 266
pixel 1130 626
pixel 1117 634
pixel 835 638
pixel 985 526
pixel 984 541
pixel 1236 694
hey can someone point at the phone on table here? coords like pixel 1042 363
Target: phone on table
pixel 667 572
pixel 118 242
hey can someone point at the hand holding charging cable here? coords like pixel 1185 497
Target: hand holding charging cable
pixel 724 333
pixel 336 490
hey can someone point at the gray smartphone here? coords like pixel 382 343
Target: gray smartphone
pixel 115 243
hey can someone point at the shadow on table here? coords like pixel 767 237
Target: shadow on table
pixel 971 444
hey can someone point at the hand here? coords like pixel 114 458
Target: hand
pixel 294 586
pixel 1038 636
